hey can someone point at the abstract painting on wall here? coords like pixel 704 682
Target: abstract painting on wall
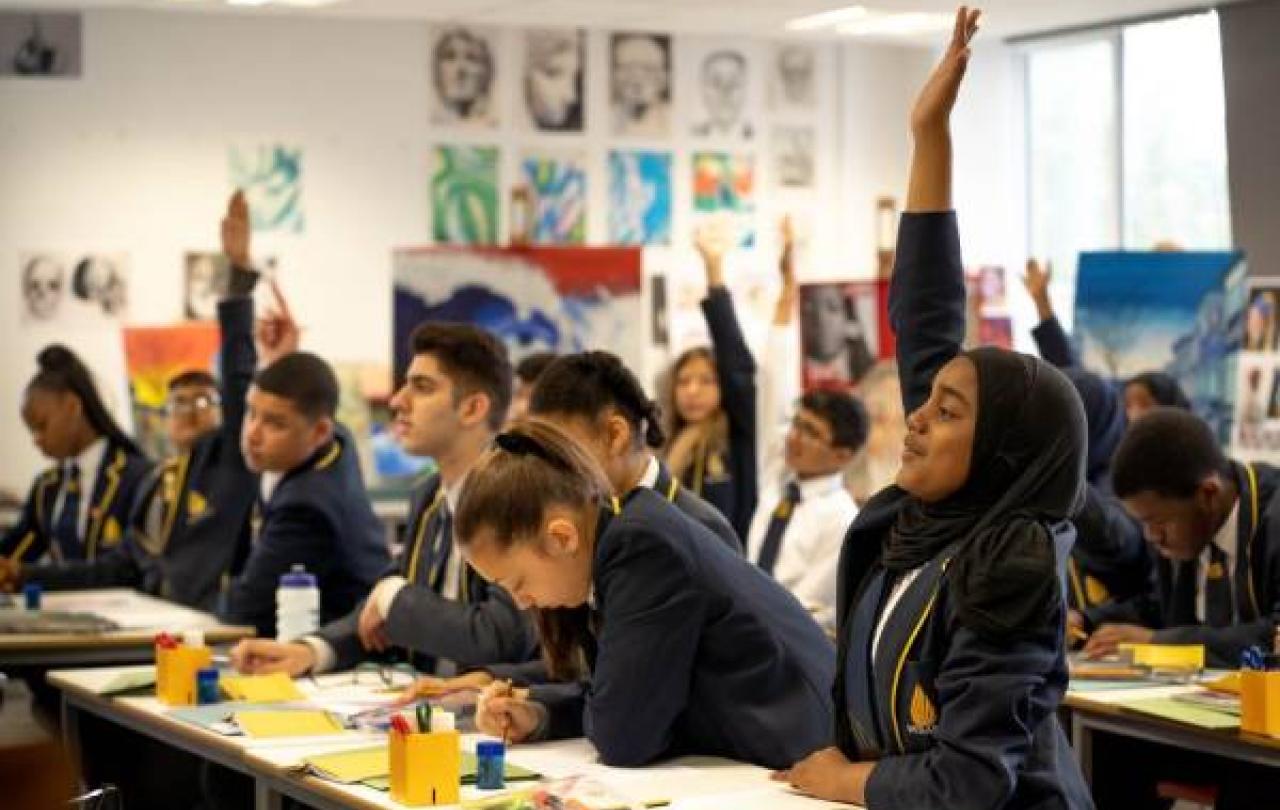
pixel 534 299
pixel 639 198
pixel 725 184
pixel 153 356
pixel 1178 312
pixel 464 195
pixel 271 177
pixel 557 184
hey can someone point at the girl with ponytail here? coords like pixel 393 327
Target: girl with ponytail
pixel 80 506
pixel 668 614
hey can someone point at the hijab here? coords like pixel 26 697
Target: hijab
pixel 1105 420
pixel 1026 470
pixel 1164 389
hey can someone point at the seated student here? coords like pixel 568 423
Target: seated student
pixel 1214 523
pixel 952 662
pixel 1145 392
pixel 430 602
pixel 197 503
pixel 312 508
pixel 528 371
pixel 79 508
pixel 711 441
pixel 1110 560
pixel 692 649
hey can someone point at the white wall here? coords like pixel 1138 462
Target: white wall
pixel 133 158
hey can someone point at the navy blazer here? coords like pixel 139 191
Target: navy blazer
pixel 483 625
pixel 729 483
pixel 697 651
pixel 205 499
pixel 116 485
pixel 1255 580
pixel 319 516
pixel 960 721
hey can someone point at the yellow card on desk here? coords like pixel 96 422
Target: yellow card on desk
pixel 349 767
pixel 270 724
pixel 277 688
pixel 1170 656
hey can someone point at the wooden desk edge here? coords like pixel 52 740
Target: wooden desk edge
pixel 221 634
pixel 1116 710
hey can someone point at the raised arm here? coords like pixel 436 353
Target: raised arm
pixel 1051 339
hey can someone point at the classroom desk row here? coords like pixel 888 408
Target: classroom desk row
pixel 691 783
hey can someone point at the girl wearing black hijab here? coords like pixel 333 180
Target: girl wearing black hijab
pixel 951 659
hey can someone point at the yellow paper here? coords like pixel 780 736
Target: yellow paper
pixel 1162 656
pixel 266 724
pixel 1184 713
pixel 1228 684
pixel 350 767
pixel 277 688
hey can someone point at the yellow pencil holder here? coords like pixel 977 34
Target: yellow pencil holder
pixel 426 769
pixel 1260 702
pixel 176 669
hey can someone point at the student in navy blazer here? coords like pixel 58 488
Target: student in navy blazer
pixel 952 664
pixel 689 649
pixel 193 510
pixel 312 508
pixel 711 435
pixel 79 508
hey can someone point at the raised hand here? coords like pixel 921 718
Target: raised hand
pixel 235 230
pixel 1037 280
pixel 713 241
pixel 938 96
pixel 276 332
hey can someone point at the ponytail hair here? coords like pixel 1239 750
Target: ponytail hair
pixel 62 372
pixel 587 384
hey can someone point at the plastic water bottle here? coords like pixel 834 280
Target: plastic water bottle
pixel 297 604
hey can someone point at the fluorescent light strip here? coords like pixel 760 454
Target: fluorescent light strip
pixel 827 18
pixel 901 25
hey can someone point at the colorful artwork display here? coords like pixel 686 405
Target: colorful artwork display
pixel 535 299
pixel 271 177
pixel 639 198
pixel 153 356
pixel 464 195
pixel 557 185
pixel 725 184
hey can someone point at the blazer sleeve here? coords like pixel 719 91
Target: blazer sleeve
pixel 295 534
pixel 564 703
pixel 736 370
pixel 647 646
pixel 926 301
pixel 1053 344
pixel 239 361
pixel 123 566
pixel 343 637
pixel 488 629
pixel 987 717
pixel 26 541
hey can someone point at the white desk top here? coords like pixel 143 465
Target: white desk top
pixel 690 783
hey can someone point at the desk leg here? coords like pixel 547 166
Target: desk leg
pixel 71 738
pixel 264 798
pixel 1082 742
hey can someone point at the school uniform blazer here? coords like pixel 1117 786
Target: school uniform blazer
pixel 205 499
pixel 696 650
pixel 319 516
pixel 1255 580
pixel 1111 560
pixel 953 719
pixel 483 625
pixel 729 483
pixel 116 484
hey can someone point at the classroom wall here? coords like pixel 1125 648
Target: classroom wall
pixel 133 158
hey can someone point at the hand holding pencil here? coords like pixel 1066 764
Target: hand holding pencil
pixel 506 712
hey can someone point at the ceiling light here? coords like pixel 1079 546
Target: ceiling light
pixel 896 25
pixel 827 18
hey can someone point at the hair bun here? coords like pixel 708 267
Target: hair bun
pixel 56 358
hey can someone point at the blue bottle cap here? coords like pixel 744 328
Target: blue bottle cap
pixel 297 578
pixel 209 674
pixel 490 749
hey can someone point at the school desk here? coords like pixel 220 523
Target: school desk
pixel 138 615
pixel 691 783
pixel 1095 710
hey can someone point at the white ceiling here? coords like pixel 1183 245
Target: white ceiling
pixel 1003 18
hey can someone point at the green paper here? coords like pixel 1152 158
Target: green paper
pixel 510 773
pixel 1181 712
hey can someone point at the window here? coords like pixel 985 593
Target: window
pixel 1126 137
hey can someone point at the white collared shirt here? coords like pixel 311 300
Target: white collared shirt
pixel 809 558
pixel 650 478
pixel 267 484
pixel 90 463
pixel 1226 539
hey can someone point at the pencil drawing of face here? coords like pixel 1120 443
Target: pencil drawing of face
pixel 795 74
pixel 98 280
pixel 794 156
pixel 640 83
pixel 723 82
pixel 553 79
pixel 42 281
pixel 462 71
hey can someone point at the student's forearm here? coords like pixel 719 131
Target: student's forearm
pixel 929 188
